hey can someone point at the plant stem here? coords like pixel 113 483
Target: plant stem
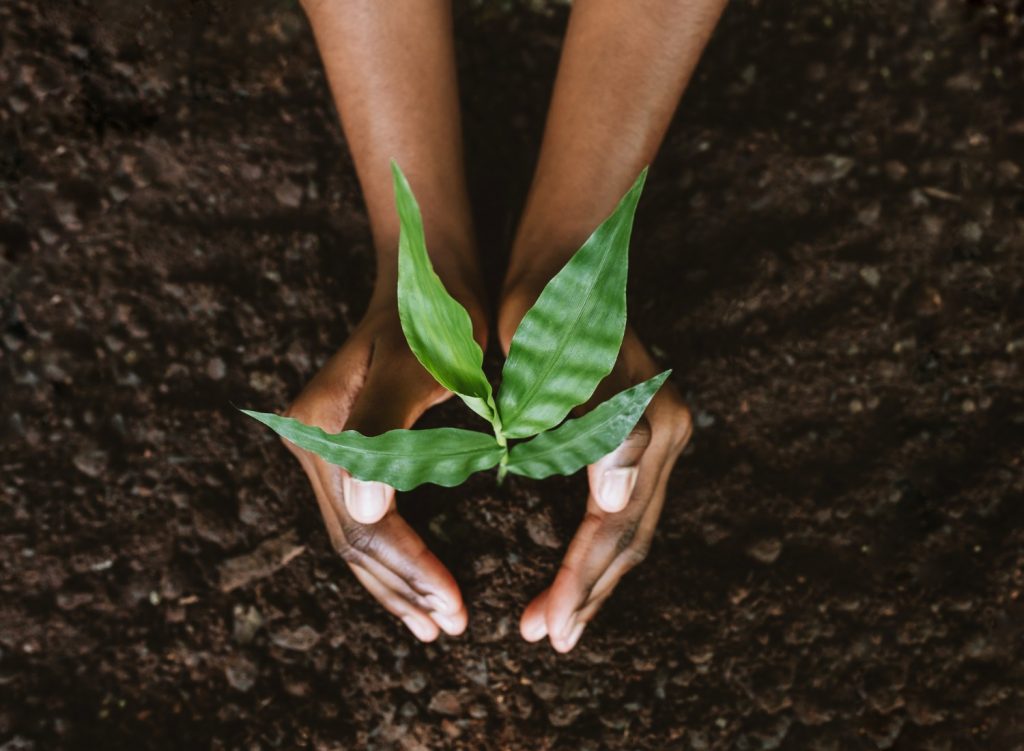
pixel 503 468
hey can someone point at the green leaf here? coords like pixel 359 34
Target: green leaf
pixel 583 441
pixel 401 458
pixel 437 327
pixel 569 340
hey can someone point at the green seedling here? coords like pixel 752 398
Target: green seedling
pixel 564 346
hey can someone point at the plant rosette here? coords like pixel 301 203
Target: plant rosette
pixel 563 348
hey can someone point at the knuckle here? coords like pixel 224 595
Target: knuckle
pixel 627 535
pixel 345 551
pixel 361 539
pixel 636 553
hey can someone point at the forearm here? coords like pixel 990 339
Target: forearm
pixel 623 69
pixel 392 73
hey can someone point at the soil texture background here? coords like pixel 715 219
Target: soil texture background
pixel 829 253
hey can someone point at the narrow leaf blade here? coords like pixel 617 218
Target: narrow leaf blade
pixel 569 340
pixel 583 441
pixel 437 327
pixel 400 458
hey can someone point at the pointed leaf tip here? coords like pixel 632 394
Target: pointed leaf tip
pixel 582 441
pixel 569 340
pixel 437 327
pixel 400 458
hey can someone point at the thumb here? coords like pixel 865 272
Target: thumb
pixel 395 393
pixel 367 502
pixel 613 477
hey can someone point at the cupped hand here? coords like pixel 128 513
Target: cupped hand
pixel 373 384
pixel 626 495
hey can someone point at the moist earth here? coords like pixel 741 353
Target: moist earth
pixel 829 253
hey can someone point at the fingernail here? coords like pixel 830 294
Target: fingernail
pixel 420 630
pixel 574 635
pixel 617 485
pixel 448 624
pixel 366 501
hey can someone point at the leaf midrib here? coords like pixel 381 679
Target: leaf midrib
pixel 325 437
pixel 560 447
pixel 538 382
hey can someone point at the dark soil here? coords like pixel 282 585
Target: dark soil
pixel 830 253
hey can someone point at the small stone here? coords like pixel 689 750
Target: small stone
pixel 896 171
pixel 868 216
pixel 540 530
pixel 871 276
pixel 17 104
pixel 92 462
pixel 565 715
pixel 414 681
pixel 67 215
pixel 216 369
pixel 247 622
pixel 262 562
pixel 699 653
pixel 545 691
pixel 250 172
pixel 766 551
pixel 301 639
pixel 856 406
pixel 478 711
pixel 288 194
pixel 839 166
pixel 971 232
pixel 969 406
pixel 486 564
pixel 1007 171
pixel 450 728
pixel 446 703
pixel 933 225
pixel 241 673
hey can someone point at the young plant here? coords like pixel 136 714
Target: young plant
pixel 564 346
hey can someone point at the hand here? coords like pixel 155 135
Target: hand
pixel 627 491
pixel 374 384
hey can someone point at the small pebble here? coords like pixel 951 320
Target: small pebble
pixel 301 639
pixel 766 551
pixel 871 276
pixel 541 531
pixel 241 673
pixel 446 703
pixel 288 194
pixel 414 681
pixel 91 463
pixel 216 369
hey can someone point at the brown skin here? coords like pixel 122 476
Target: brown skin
pixel 392 73
pixel 623 70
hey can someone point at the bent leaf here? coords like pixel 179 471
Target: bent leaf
pixel 437 327
pixel 586 439
pixel 569 340
pixel 400 458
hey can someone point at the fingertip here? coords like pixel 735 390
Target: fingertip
pixel 367 502
pixel 422 628
pixel 533 629
pixel 566 643
pixel 533 623
pixel 453 625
